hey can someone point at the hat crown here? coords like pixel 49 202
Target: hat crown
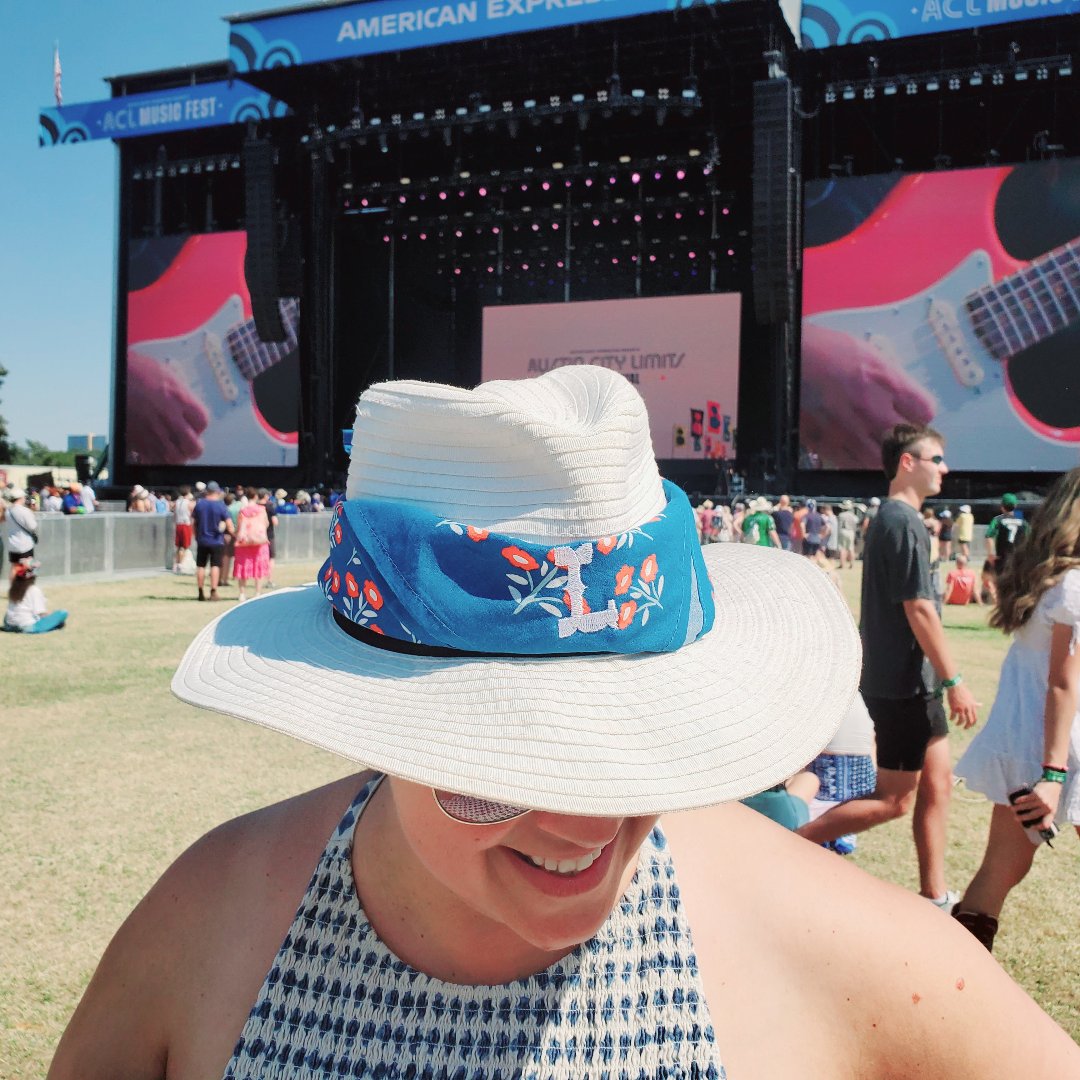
pixel 564 456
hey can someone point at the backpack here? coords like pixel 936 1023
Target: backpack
pixel 252 530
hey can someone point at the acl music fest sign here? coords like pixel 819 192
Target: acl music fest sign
pixel 680 352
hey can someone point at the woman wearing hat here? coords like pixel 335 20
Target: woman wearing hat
pixel 513 633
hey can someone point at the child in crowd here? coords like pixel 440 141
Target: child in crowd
pixel 27 610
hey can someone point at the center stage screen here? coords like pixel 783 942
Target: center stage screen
pixel 950 298
pixel 202 387
pixel 681 352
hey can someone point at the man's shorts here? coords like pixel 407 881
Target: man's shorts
pixel 847 540
pixel 183 536
pixel 810 548
pixel 214 554
pixel 781 806
pixel 18 556
pixel 904 727
pixel 273 547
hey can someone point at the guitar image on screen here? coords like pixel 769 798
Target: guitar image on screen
pixel 927 283
pixel 195 320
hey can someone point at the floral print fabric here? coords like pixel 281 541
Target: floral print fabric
pixel 411 575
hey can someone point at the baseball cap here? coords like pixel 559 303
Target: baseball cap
pixel 1009 500
pixel 213 487
pixel 15 493
pixel 199 485
pixel 945 513
pixel 965 509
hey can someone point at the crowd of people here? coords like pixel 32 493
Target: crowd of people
pixel 513 655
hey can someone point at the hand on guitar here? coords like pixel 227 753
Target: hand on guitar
pixel 851 396
pixel 164 422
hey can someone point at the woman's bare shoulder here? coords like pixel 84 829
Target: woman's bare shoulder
pixel 812 966
pixel 192 954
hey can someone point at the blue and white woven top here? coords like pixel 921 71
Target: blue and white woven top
pixel 625 1005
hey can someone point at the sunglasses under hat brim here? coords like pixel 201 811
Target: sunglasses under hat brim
pixel 727 716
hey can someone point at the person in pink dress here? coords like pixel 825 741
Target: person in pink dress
pixel 251 560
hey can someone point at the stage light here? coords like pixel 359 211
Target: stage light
pixel 406 180
pixel 1066 68
pixel 637 219
pixel 440 114
pixel 423 236
pixel 559 264
pixel 382 144
pixel 678 215
pixel 588 181
pixel 680 174
pixel 932 85
pixel 524 187
pixel 457 269
pixel 998 78
pixel 535 227
pixel 693 254
pixel 731 251
pixel 868 93
pixel 849 93
pixel 725 211
pixel 386 239
pixel 690 88
pixel 830 95
pixel 611 179
pixel 556 164
pixel 1021 75
pixel 652 258
pixel 976 79
pixel 555 226
pixel 614 260
pixel 482 191
pixel 889 90
pixel 912 87
pixel 495 230
pixel 530 103
pixel 954 82
pixel 596 223
pixel 461 111
pixel 635 178
pixel 1041 72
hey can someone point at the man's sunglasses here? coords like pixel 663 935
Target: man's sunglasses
pixel 472 811
pixel 937 459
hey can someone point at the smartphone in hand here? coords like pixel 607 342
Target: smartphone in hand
pixel 1035 835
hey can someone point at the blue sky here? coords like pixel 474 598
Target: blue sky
pixel 58 205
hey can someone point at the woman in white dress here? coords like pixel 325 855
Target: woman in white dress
pixel 1031 742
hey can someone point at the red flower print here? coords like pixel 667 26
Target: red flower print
pixel 372 595
pixel 337 533
pixel 337 510
pixel 623 579
pixel 329 571
pixel 521 559
pixel 335 585
pixel 350 585
pixel 476 534
pixel 566 601
pixel 376 630
pixel 648 569
pixel 551 556
pixel 626 613
pixel 606 545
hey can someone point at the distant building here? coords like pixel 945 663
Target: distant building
pixel 93 444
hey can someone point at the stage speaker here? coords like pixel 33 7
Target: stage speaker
pixel 261 261
pixel 775 199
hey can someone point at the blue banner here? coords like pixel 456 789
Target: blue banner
pixel 834 22
pixel 378 26
pixel 158 111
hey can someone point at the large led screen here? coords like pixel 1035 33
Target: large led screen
pixel 201 386
pixel 681 352
pixel 950 298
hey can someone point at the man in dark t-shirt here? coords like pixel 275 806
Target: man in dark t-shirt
pixel 784 519
pixel 1002 535
pixel 906 665
pixel 212 521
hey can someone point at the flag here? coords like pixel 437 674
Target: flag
pixel 58 92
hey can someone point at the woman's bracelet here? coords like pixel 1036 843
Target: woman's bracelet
pixel 1054 776
pixel 956 680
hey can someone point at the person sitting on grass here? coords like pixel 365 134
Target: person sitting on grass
pixel 27 610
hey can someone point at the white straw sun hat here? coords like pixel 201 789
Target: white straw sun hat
pixel 516 607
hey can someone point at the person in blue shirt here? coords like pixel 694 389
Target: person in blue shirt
pixel 212 522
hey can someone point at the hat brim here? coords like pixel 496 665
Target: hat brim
pixel 741 709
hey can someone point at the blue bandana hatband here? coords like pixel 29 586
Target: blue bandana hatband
pixel 435 584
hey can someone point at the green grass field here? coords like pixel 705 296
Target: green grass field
pixel 105 778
